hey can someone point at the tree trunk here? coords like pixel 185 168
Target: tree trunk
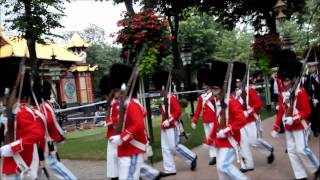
pixel 129 7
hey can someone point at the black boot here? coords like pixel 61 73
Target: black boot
pixel 213 161
pixel 302 179
pixel 115 178
pixel 270 158
pixel 167 174
pixel 245 170
pixel 194 163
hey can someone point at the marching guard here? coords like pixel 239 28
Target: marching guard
pixel 294 110
pixel 21 158
pixel 226 135
pixel 251 132
pixel 171 112
pixel 126 158
pixel 54 133
pixel 206 105
pixel 311 83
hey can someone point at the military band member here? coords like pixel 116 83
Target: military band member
pixel 54 134
pixel 251 131
pixel 127 162
pixel 20 158
pixel 311 83
pixel 207 107
pixel 296 122
pixel 170 144
pixel 226 135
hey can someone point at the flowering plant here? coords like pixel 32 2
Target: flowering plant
pixel 145 29
pixel 264 47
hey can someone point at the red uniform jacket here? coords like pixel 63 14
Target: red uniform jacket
pixel 236 122
pixel 207 108
pixel 303 111
pixel 175 112
pixel 55 132
pixel 54 129
pixel 29 131
pixel 134 130
pixel 112 120
pixel 255 102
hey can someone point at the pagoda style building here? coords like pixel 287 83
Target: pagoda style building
pixel 65 68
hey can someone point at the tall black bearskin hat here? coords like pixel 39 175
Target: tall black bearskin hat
pixel 203 77
pixel 37 89
pixel 283 55
pixel 289 69
pixel 238 73
pixel 105 85
pixel 218 73
pixel 26 88
pixel 119 74
pixel 160 78
pixel 46 90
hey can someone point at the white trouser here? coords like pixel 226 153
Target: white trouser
pixel 255 138
pixel 129 167
pixel 148 172
pixel 246 159
pixel 112 160
pixel 59 170
pixel 11 177
pixel 207 128
pixel 225 168
pixel 170 146
pixel 299 152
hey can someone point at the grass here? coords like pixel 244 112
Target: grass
pixel 91 144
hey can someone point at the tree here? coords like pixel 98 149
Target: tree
pixel 203 34
pixel 33 18
pixel 259 13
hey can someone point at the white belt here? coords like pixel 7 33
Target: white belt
pixel 236 147
pixel 138 145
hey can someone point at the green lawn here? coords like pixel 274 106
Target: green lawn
pixel 91 144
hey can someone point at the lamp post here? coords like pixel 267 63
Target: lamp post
pixel 279 9
pixel 186 57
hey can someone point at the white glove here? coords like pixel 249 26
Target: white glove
pixel 277 107
pixel 115 140
pixel 246 114
pixel 193 125
pixel 315 102
pixel 288 120
pixel 6 151
pixel 274 134
pixel 166 123
pixel 221 134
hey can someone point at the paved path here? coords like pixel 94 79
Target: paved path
pixel 280 169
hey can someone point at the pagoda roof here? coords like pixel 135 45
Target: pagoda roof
pixel 17 47
pixel 77 41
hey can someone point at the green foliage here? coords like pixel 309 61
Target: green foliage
pixel 34 18
pixel 202 33
pixel 234 45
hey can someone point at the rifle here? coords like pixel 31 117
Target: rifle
pixel 296 86
pixel 10 134
pixel 127 92
pixel 245 88
pixel 224 92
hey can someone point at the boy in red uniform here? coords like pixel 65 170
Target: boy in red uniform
pixel 295 123
pixel 207 107
pixel 20 158
pixel 171 112
pixel 226 135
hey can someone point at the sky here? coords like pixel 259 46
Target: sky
pixel 81 13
